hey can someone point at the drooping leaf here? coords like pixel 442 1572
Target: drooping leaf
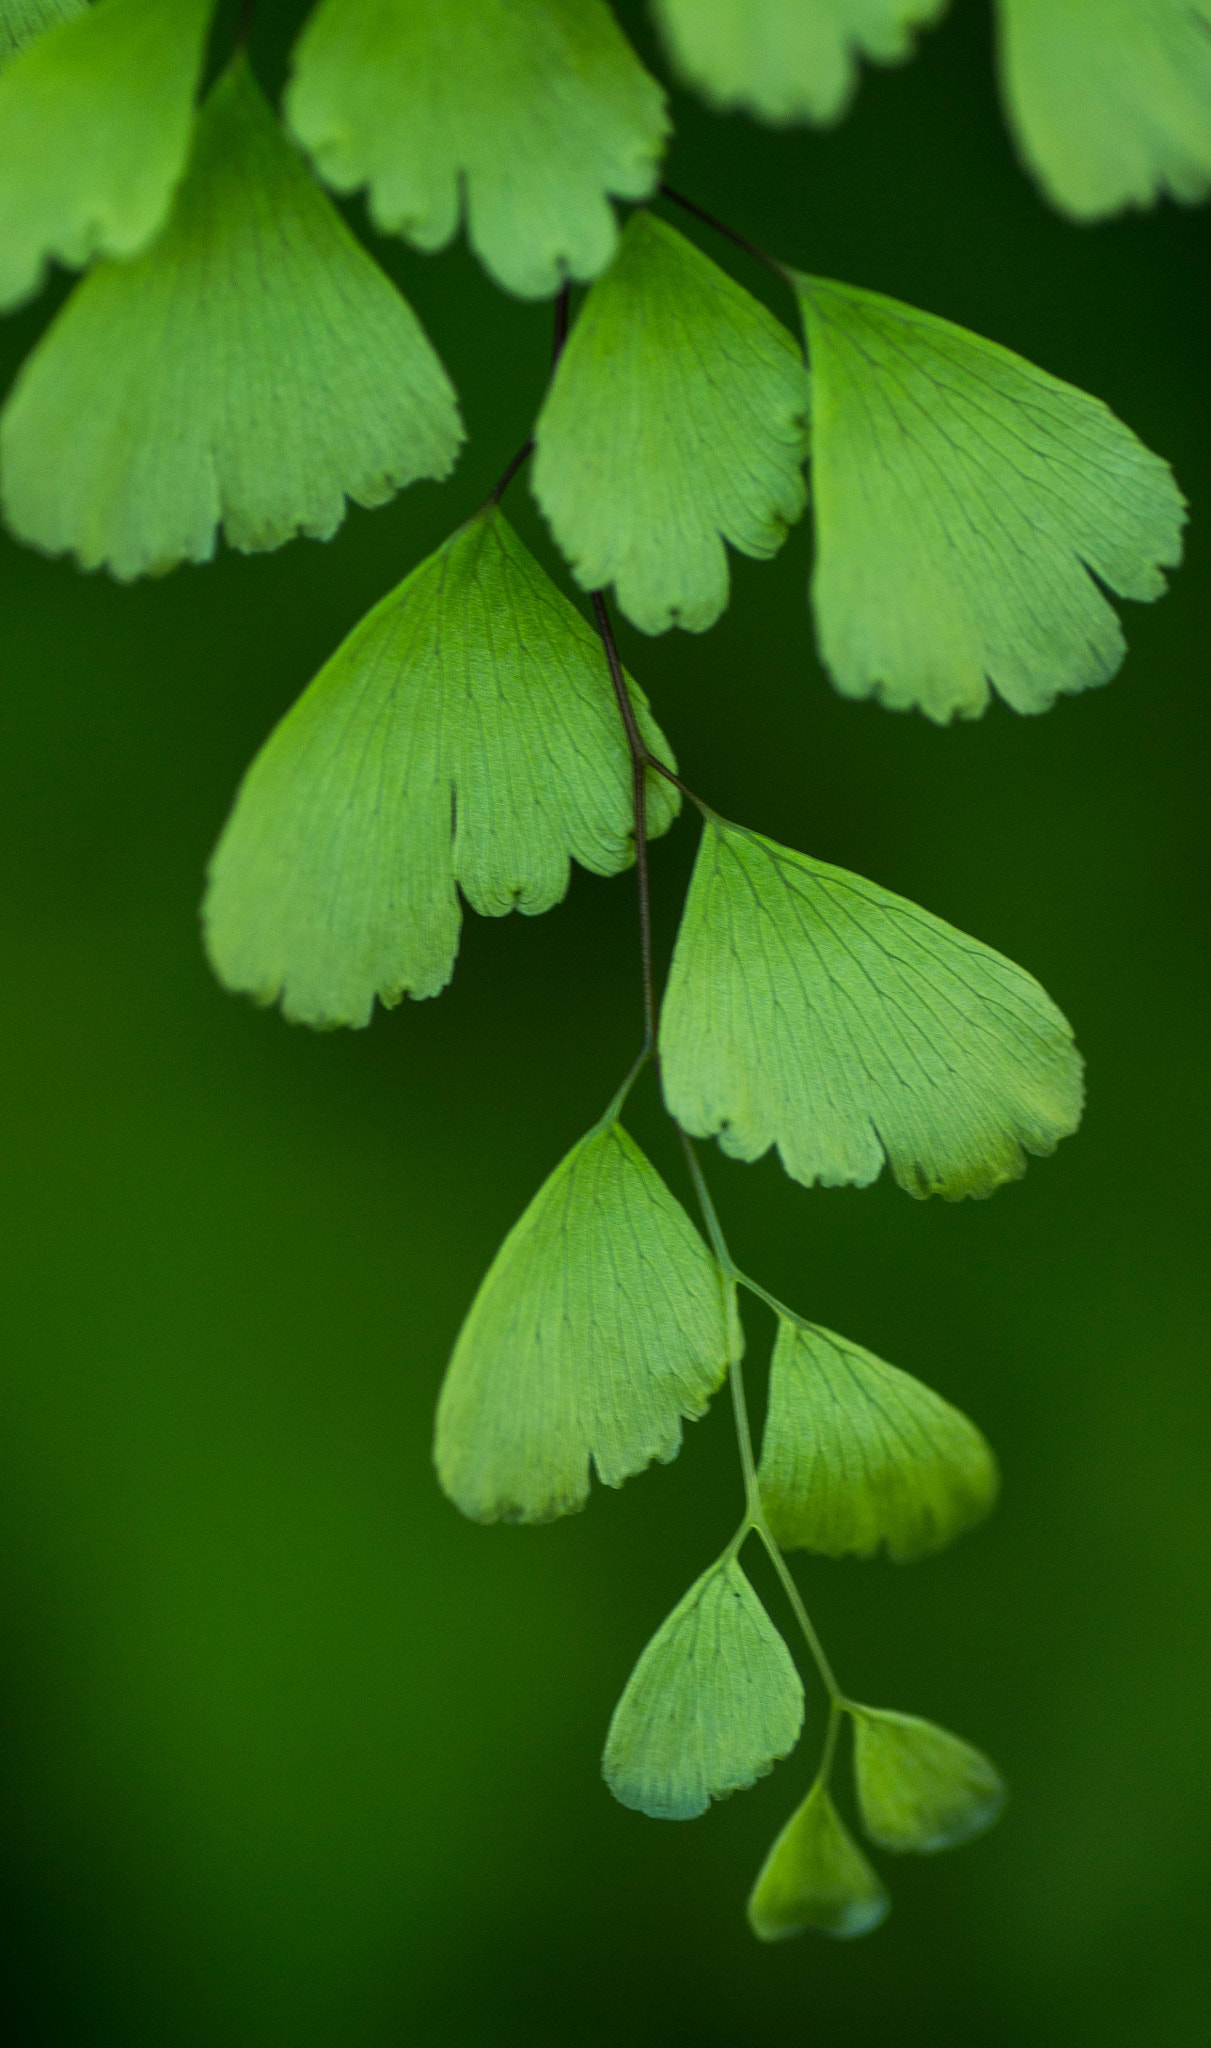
pixel 528 117
pixel 675 422
pixel 965 502
pixel 787 60
pixel 1110 100
pixel 255 368
pixel 918 1786
pixel 95 124
pixel 857 1454
pixel 22 20
pixel 815 1876
pixel 710 1707
pixel 465 733
pixel 810 1009
pixel 600 1325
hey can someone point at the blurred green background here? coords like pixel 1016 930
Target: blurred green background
pixel 290 1754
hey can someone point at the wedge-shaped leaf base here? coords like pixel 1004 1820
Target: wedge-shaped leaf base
pixel 918 1786
pixel 675 422
pixel 530 116
pixel 255 368
pixel 786 60
pixel 22 21
pixel 857 1454
pixel 465 734
pixel 1110 100
pixel 809 1009
pixel 95 124
pixel 601 1324
pixel 711 1706
pixel 816 1877
pixel 965 503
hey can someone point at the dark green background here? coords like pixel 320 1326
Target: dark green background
pixel 292 1755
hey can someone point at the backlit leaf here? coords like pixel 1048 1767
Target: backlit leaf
pixel 815 1876
pixel 22 20
pixel 674 423
pixel 918 1786
pixel 95 124
pixel 465 733
pixel 1110 100
pixel 857 1454
pixel 254 368
pixel 787 60
pixel 601 1323
pixel 965 503
pixel 711 1706
pixel 810 1009
pixel 528 117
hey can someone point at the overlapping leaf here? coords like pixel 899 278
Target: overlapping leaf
pixel 22 20
pixel 95 125
pixel 920 1787
pixel 710 1707
pixel 787 60
pixel 810 1009
pixel 857 1454
pixel 967 508
pixel 675 422
pixel 253 368
pixel 1110 100
pixel 529 117
pixel 815 1876
pixel 465 733
pixel 600 1325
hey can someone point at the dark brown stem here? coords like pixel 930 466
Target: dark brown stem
pixel 721 228
pixel 243 26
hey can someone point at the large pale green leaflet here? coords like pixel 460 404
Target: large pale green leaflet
pixel 1110 100
pixel 965 503
pixel 465 733
pixel 255 368
pixel 857 1454
pixel 601 1324
pixel 710 1707
pixel 23 20
pixel 529 116
pixel 816 1876
pixel 810 1009
pixel 95 124
pixel 920 1787
pixel 675 422
pixel 787 60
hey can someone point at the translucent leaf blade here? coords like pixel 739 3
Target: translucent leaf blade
pixel 965 503
pixel 857 1454
pixel 601 1326
pixel 465 734
pixel 530 117
pixel 810 1009
pixel 1110 102
pixel 713 1703
pixel 254 368
pixel 787 60
pixel 95 124
pixel 816 1877
pixel 919 1787
pixel 21 21
pixel 675 423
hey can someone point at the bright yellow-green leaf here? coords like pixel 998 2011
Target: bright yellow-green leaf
pixel 465 733
pixel 22 20
pixel 815 1876
pixel 675 422
pixel 967 508
pixel 255 368
pixel 810 1009
pixel 95 122
pixel 918 1786
pixel 1110 100
pixel 857 1454
pixel 600 1325
pixel 526 117
pixel 787 60
pixel 711 1706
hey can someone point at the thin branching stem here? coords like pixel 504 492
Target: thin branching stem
pixel 721 227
